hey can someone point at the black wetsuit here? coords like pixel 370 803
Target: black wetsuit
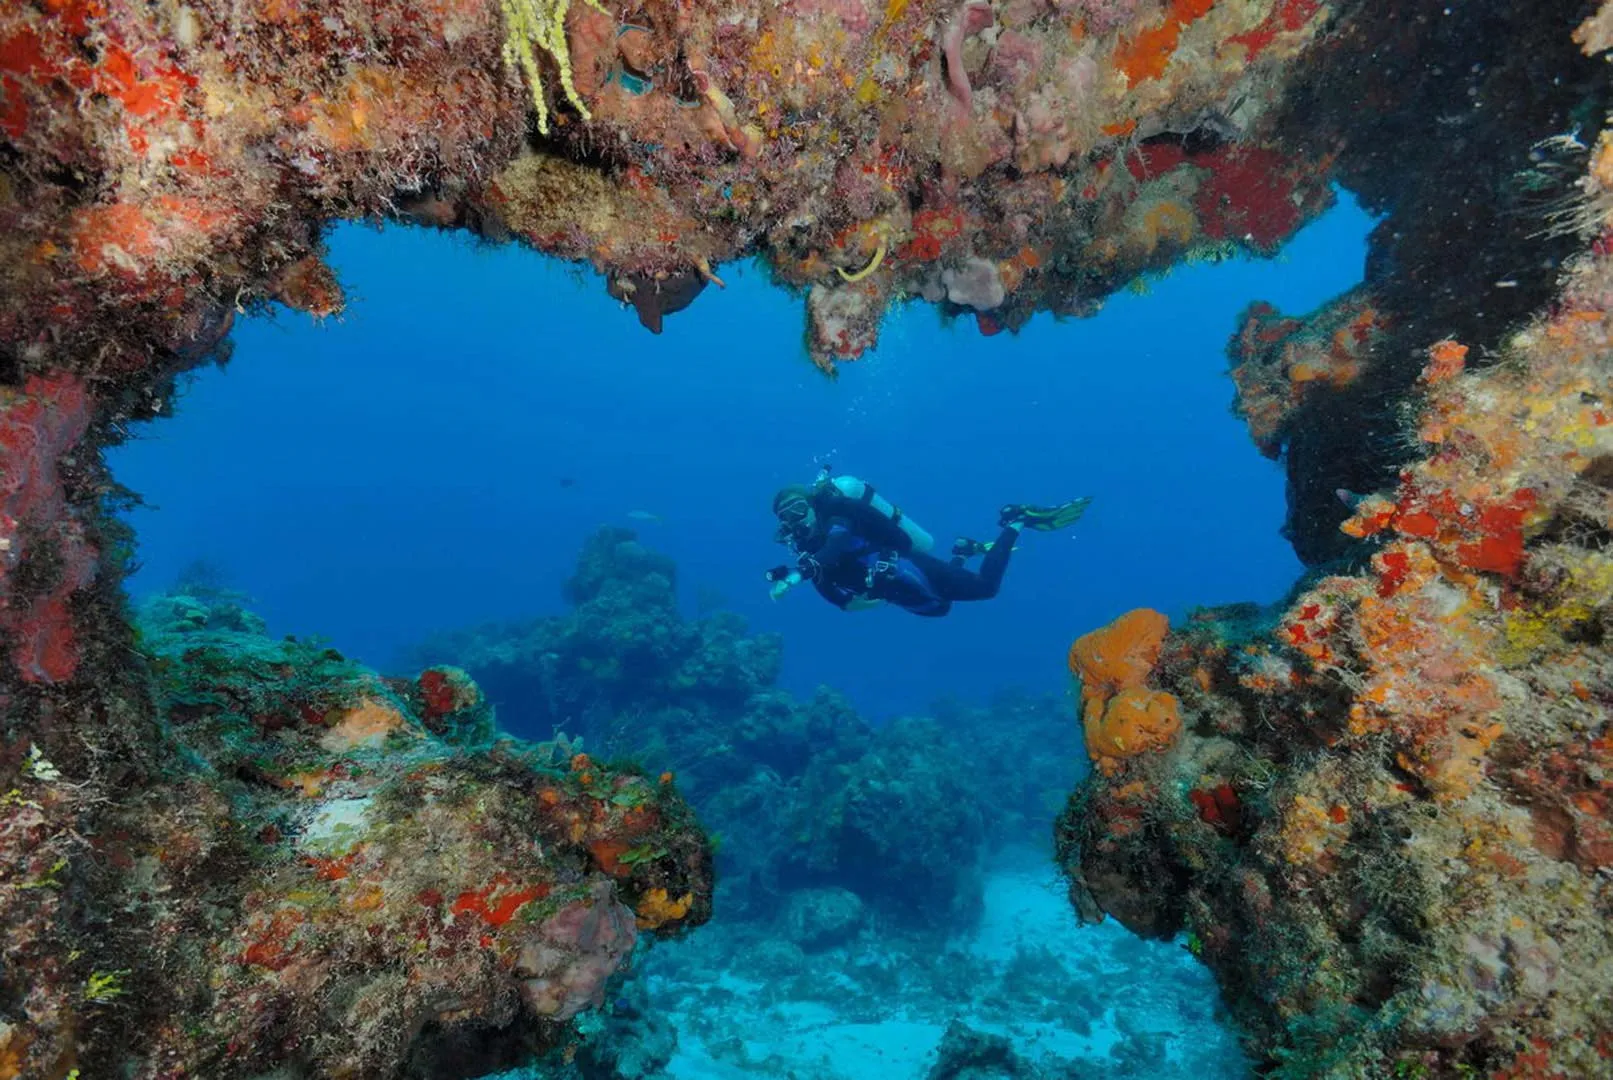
pixel 855 552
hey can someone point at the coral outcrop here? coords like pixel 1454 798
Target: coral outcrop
pixel 170 168
pixel 805 794
pixel 1385 812
pixel 1466 130
pixel 332 874
pixel 1388 823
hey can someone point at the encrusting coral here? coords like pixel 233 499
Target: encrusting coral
pixel 358 877
pixel 1385 813
pixel 712 125
pixel 1388 823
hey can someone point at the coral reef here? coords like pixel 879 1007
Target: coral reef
pixel 902 825
pixel 1044 156
pixel 1279 362
pixel 965 1053
pixel 1471 118
pixel 332 874
pixel 805 794
pixel 818 919
pixel 1388 820
pixel 1383 811
pixel 45 556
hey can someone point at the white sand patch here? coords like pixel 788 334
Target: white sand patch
pixel 335 827
pixel 1060 991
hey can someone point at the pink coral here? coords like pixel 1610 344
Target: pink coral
pixel 852 15
pixel 1101 16
pixel 1044 134
pixel 1016 59
pixel 564 968
pixel 970 19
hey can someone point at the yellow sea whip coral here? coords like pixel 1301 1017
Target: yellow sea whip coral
pixel 873 264
pixel 542 23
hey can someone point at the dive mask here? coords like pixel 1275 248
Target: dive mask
pixel 793 514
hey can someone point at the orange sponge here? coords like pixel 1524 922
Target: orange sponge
pixel 1118 656
pixel 1121 716
pixel 1133 722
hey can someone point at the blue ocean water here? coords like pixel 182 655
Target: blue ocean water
pixel 437 455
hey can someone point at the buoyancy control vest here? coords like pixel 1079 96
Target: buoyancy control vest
pixel 860 491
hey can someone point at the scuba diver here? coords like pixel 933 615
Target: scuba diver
pixel 859 551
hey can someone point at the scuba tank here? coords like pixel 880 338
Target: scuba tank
pixel 860 491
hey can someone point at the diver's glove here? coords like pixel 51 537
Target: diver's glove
pixel 783 580
pixel 966 549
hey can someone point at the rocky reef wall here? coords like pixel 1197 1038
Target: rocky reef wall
pixel 1384 813
pixel 264 859
pixel 170 167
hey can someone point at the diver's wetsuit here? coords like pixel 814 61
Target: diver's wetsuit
pixel 857 552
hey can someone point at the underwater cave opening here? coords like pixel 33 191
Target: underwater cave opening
pixel 440 458
pixel 437 456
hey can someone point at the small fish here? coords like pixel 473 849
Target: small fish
pixel 568 481
pixel 644 515
pixel 1348 497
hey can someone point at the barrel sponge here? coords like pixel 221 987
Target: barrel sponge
pixel 1134 721
pixel 1118 656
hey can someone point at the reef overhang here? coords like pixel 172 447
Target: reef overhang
pixel 167 167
